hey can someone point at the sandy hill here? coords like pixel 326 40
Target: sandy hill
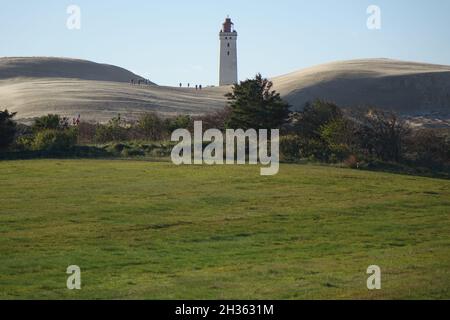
pixel 37 86
pixel 101 100
pixel 46 67
pixel 405 87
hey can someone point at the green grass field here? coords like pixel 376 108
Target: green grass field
pixel 145 230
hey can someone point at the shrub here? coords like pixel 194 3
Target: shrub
pixel 115 148
pixel 112 132
pixel 315 149
pixel 290 147
pixel 309 122
pixel 134 152
pixel 339 135
pixel 180 122
pixel 24 143
pixel 351 162
pixel 217 119
pixel 54 140
pixel 50 122
pixel 383 134
pixel 428 148
pixel 7 129
pixel 86 133
pixel 152 127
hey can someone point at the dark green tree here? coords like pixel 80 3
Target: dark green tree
pixel 309 122
pixel 254 105
pixel 7 129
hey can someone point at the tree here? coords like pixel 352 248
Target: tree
pixel 428 147
pixel 254 105
pixel 339 135
pixel 383 134
pixel 7 129
pixel 309 122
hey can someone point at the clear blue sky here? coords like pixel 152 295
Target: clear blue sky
pixel 172 41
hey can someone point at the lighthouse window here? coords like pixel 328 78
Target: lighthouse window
pixel 228 53
pixel 228 45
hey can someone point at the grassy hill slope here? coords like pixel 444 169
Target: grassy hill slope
pixel 153 230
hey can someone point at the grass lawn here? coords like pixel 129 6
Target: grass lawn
pixel 144 230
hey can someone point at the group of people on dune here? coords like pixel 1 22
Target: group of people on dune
pixel 139 82
pixel 197 86
pixel 147 82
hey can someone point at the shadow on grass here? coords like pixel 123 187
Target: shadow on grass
pixel 92 152
pixel 412 170
pixel 78 152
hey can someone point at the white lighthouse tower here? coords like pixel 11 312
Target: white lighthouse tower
pixel 228 73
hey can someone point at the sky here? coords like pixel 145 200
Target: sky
pixel 173 41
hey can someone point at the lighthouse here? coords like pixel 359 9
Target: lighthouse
pixel 228 73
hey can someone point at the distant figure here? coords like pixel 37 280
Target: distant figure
pixel 181 84
pixel 196 87
pixel 200 87
pixel 76 121
pixel 189 85
pixel 132 81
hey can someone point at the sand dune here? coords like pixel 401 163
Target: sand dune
pixel 46 67
pixel 37 86
pixel 405 87
pixel 100 100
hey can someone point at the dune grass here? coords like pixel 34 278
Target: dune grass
pixel 142 230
